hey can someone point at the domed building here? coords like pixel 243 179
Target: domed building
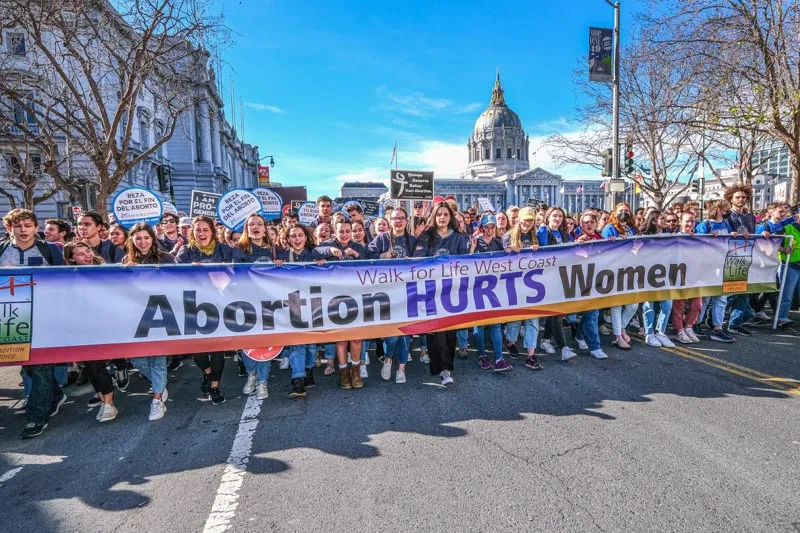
pixel 498 167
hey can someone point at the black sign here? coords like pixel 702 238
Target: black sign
pixel 370 208
pixel 411 185
pixel 296 205
pixel 204 203
pixel 600 59
pixel 536 204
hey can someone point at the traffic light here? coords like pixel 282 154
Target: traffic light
pixel 694 187
pixel 608 163
pixel 628 166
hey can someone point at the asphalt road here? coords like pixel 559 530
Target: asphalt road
pixel 648 440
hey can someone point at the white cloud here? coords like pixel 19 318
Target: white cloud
pixel 447 160
pixel 418 104
pixel 469 108
pixel 264 107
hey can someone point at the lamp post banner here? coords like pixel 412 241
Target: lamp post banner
pixel 182 309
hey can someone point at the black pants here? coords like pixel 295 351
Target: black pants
pixel 441 350
pixel 213 360
pixel 99 376
pixel 554 329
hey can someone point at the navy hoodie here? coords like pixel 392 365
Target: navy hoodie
pixel 257 255
pixel 454 243
pixel 306 256
pixel 323 251
pixel 494 245
pixel 402 246
pixel 526 240
pixel 192 254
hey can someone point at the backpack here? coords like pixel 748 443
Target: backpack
pixel 44 250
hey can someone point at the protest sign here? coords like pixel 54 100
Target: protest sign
pixel 204 203
pixel 370 208
pixel 176 309
pixel 307 212
pixel 347 205
pixel 411 185
pixel 235 206
pixel 271 202
pixel 136 204
pixel 485 204
pixel 169 208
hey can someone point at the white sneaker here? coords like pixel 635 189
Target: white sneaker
pixel 386 371
pixel 653 340
pixel 284 363
pixel 634 323
pixel 424 357
pixel 566 353
pixel 683 338
pixel 249 385
pixel 763 316
pixel 547 346
pixel 664 340
pixel 366 358
pixel 599 354
pixel 691 334
pixel 582 344
pixel 262 392
pixel 604 330
pixel 164 396
pixel 363 371
pixel 100 412
pixel 108 413
pixel 445 377
pixel 157 410
pixel 400 377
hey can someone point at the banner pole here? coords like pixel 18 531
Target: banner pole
pixel 783 283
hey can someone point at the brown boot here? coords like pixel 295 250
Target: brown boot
pixel 355 376
pixel 344 378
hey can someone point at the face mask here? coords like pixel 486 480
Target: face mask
pixel 623 217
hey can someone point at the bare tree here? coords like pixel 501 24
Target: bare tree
pixel 90 71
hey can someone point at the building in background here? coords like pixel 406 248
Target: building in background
pixel 363 190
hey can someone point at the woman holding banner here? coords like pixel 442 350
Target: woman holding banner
pixel 397 243
pixel 620 225
pixel 588 334
pixel 204 247
pixel 683 319
pixel 656 315
pixel 142 249
pixel 342 247
pixel 441 238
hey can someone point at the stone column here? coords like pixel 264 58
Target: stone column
pixel 216 141
pixel 205 131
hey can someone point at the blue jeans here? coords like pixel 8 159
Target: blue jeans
pixel 531 333
pixel 656 322
pixel 154 369
pixel 495 334
pixel 588 329
pixel 718 306
pixel 301 358
pixel 400 344
pixel 462 337
pixel 741 310
pixel 789 288
pixel 512 331
pixel 259 368
pixel 423 342
pixel 44 390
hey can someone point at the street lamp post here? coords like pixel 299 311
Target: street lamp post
pixel 615 96
pixel 271 160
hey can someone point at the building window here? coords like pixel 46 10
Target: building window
pixel 16 44
pixel 36 164
pixel 198 134
pixel 508 153
pixel 497 153
pixel 517 153
pixel 486 153
pixel 144 134
pixel 63 210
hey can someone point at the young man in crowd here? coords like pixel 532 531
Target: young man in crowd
pixel 324 211
pixel 56 231
pixel 24 249
pixel 88 229
pixel 356 214
pixel 172 240
pixel 289 219
pixel 742 222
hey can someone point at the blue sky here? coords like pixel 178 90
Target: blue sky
pixel 328 87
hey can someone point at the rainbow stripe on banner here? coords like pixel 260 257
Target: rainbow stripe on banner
pixel 61 314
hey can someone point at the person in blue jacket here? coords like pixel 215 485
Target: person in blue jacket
pixel 620 223
pixel 487 241
pixel 204 248
pixel 716 224
pixel 342 247
pixel 254 244
pixel 441 238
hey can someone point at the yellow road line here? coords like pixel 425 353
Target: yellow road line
pixel 784 384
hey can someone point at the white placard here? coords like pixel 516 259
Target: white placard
pixel 136 204
pixel 235 206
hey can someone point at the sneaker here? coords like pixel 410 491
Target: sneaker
pixel 502 366
pixel 634 323
pixel 22 405
pixel 363 371
pixel 423 356
pixel 175 364
pixel 533 363
pixel 157 410
pixel 355 376
pixel 32 429
pixel 365 361
pixel 582 344
pixel 721 336
pixel 298 388
pixel 94 401
pixel 784 322
pixel 683 337
pixel 344 378
pixel 445 377
pixel 484 363
pixel 604 330
pixel 513 351
pixel 599 354
pixel 284 363
pixel 692 335
pixel 462 353
pixel 652 340
pixel 108 413
pixel 664 340
pixel 262 392
pixel 386 371
pixel 567 353
pixel 164 396
pixel 122 379
pixel 216 396
pixel 309 380
pixel 205 387
pixel 56 406
pixel 761 315
pixel 249 385
pixel 400 377
pixel 741 330
pixel 547 346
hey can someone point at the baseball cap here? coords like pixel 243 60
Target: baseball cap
pixel 487 219
pixel 526 213
pixel 185 221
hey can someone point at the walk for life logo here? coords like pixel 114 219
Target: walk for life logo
pixel 16 306
pixel 737 265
